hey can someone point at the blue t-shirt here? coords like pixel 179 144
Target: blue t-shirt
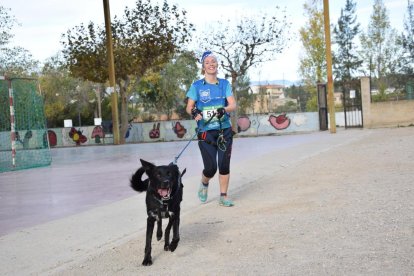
pixel 208 98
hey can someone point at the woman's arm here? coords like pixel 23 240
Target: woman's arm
pixel 231 104
pixel 190 106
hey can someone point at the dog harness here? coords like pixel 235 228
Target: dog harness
pixel 162 209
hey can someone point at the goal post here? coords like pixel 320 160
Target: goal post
pixel 23 131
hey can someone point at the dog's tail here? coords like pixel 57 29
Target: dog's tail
pixel 136 182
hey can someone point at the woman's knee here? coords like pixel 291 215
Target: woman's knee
pixel 210 172
pixel 224 171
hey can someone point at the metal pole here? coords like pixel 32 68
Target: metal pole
pixel 79 117
pixel 12 123
pixel 331 106
pixel 111 69
pixel 98 96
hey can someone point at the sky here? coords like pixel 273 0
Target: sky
pixel 42 23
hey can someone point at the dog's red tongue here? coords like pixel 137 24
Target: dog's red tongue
pixel 163 192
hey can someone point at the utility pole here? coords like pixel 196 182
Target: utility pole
pixel 111 69
pixel 331 106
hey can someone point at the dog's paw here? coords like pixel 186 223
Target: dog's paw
pixel 167 247
pixel 147 261
pixel 173 245
pixel 159 236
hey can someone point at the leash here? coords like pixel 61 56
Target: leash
pixel 197 132
pixel 221 142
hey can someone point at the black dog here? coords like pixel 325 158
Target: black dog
pixel 164 195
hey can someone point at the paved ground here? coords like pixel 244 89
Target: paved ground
pixel 311 204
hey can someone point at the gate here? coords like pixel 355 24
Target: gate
pixel 353 108
pixel 322 106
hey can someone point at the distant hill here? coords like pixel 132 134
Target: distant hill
pixel 272 82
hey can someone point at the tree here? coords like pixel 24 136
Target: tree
pixel 18 62
pixel 54 84
pixel 165 90
pixel 7 22
pixel 313 61
pixel 66 97
pixel 176 78
pixel 145 38
pixel 374 40
pixel 346 60
pixel 407 40
pixel 298 93
pixel 380 48
pixel 246 98
pixel 14 61
pixel 289 106
pixel 246 43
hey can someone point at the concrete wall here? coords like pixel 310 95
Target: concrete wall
pixel 254 125
pixel 181 130
pixel 395 113
pixel 385 114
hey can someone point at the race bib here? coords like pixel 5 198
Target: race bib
pixel 209 112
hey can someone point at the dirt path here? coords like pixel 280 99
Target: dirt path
pixel 348 210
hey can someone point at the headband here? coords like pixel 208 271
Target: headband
pixel 207 54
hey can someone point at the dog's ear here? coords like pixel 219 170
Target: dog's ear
pixel 175 167
pixel 184 171
pixel 147 165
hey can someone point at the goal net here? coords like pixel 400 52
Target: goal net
pixel 23 133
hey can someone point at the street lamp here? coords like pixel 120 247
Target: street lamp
pixel 98 98
pixel 78 108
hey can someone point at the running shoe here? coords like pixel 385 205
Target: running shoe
pixel 203 193
pixel 225 202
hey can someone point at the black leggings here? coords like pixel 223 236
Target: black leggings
pixel 212 155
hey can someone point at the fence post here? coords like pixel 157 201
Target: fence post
pixel 366 101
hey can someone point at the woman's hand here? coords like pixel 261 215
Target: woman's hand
pixel 196 114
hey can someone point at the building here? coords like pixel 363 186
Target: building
pixel 269 97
